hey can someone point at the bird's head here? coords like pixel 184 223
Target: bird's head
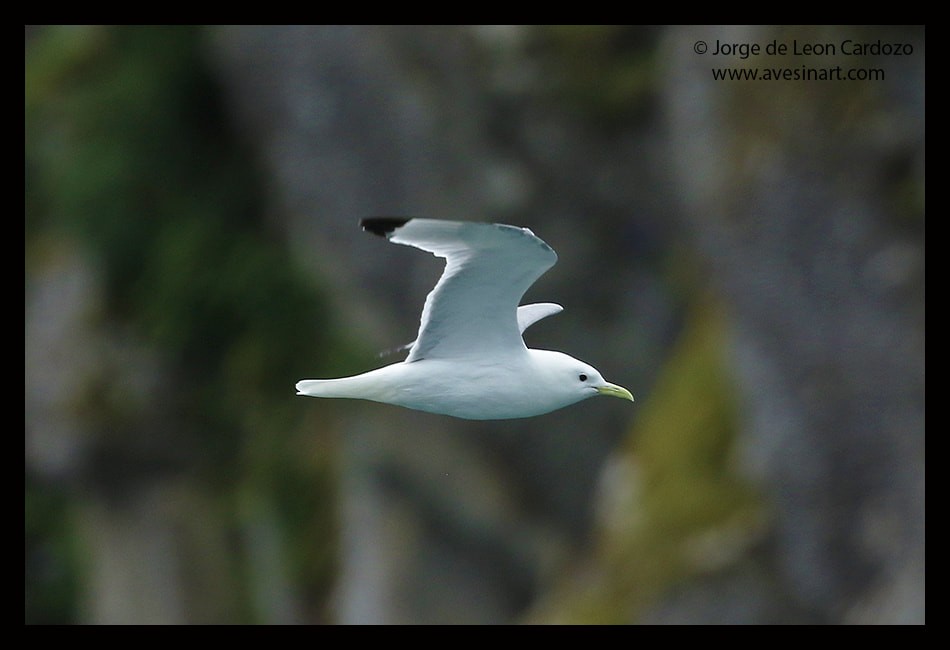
pixel 573 380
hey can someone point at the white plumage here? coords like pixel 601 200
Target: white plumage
pixel 469 359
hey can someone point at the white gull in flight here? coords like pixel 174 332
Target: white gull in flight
pixel 469 359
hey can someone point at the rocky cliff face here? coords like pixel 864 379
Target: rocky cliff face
pixel 807 201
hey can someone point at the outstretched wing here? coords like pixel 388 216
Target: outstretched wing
pixel 474 306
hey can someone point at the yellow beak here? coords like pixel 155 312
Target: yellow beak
pixel 613 390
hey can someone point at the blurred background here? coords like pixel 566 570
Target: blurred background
pixel 747 257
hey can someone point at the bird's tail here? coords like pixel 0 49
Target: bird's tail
pixel 324 388
pixel 363 386
pixel 374 385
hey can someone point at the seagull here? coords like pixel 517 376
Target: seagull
pixel 469 359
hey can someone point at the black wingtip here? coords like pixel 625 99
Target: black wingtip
pixel 382 226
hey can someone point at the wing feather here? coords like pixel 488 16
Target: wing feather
pixel 474 305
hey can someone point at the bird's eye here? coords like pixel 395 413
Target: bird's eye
pixel 582 377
